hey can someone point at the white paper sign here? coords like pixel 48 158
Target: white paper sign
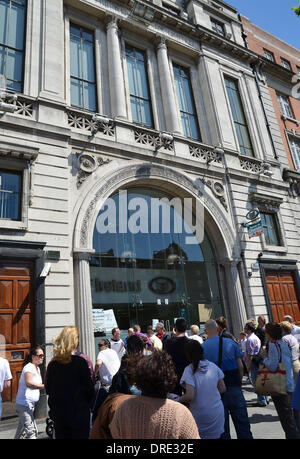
pixel 104 320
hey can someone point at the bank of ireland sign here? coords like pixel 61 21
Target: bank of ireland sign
pixel 254 225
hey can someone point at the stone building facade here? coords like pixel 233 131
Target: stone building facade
pixel 178 115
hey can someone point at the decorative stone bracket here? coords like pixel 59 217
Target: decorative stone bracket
pixel 218 190
pixel 87 164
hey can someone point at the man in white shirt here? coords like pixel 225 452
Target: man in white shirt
pixel 116 343
pixel 108 362
pixel 195 334
pixel 5 378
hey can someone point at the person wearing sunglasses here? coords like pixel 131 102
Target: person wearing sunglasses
pixel 29 393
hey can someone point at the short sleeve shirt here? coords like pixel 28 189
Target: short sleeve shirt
pixel 253 344
pixel 5 373
pixel 27 396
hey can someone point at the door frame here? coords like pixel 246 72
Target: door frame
pixel 267 264
pixel 20 251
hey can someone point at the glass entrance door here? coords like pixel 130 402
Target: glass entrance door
pixel 145 277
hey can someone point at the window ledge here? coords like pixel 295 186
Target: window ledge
pixel 12 225
pixel 287 118
pixel 275 248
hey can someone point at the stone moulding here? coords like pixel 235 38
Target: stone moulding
pixel 84 121
pixel 152 140
pixel 87 164
pixel 218 190
pixel 145 171
pixel 250 165
pixel 205 154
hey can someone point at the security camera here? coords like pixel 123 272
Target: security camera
pixel 100 119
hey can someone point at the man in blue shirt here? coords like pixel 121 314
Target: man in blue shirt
pixel 232 367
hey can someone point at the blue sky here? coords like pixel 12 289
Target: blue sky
pixel 275 16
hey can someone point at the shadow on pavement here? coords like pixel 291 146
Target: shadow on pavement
pixel 258 418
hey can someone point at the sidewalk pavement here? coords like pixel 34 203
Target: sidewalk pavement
pixel 264 421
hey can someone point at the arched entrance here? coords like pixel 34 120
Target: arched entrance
pixel 217 254
pixel 146 267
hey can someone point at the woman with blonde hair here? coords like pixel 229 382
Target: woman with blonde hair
pixel 69 387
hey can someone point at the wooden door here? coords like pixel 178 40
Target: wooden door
pixel 16 319
pixel 282 294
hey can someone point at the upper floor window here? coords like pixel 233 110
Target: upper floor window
pixel 186 102
pixel 269 55
pixel 217 27
pixel 285 64
pixel 83 75
pixel 10 195
pixel 295 149
pixel 285 105
pixel 173 9
pixel 12 42
pixel 271 229
pixel 140 100
pixel 239 118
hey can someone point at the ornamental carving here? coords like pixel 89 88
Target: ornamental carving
pixel 87 164
pixel 153 140
pixel 205 155
pixel 251 166
pixel 218 190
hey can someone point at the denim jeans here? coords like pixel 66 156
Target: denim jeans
pixel 235 405
pixel 262 399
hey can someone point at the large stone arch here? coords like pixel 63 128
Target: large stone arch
pixel 165 178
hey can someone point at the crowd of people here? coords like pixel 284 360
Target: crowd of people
pixel 156 386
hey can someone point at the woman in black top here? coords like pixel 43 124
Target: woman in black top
pixel 70 388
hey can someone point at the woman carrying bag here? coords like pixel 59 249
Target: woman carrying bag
pixel 278 352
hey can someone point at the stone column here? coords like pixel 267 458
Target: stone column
pixel 115 71
pixel 166 84
pixel 83 301
pixel 235 296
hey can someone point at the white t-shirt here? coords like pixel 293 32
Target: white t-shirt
pixel 27 396
pixel 118 347
pixel 206 407
pixel 110 365
pixel 197 338
pixel 5 373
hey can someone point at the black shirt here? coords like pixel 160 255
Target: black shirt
pixel 175 348
pixel 70 389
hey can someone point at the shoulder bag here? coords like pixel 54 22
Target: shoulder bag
pixel 272 382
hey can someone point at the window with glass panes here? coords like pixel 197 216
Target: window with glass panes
pixel 285 64
pixel 295 149
pixel 83 75
pixel 217 27
pixel 12 42
pixel 269 55
pixel 285 106
pixel 140 100
pixel 186 102
pixel 270 227
pixel 10 195
pixel 239 118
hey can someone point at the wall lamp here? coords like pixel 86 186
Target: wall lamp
pixel 266 170
pixel 163 140
pixel 7 98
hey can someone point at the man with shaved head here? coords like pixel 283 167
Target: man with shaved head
pixel 225 353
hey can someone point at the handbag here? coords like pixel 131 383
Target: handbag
pixel 272 382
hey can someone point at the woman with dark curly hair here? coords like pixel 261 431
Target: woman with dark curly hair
pixel 151 415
